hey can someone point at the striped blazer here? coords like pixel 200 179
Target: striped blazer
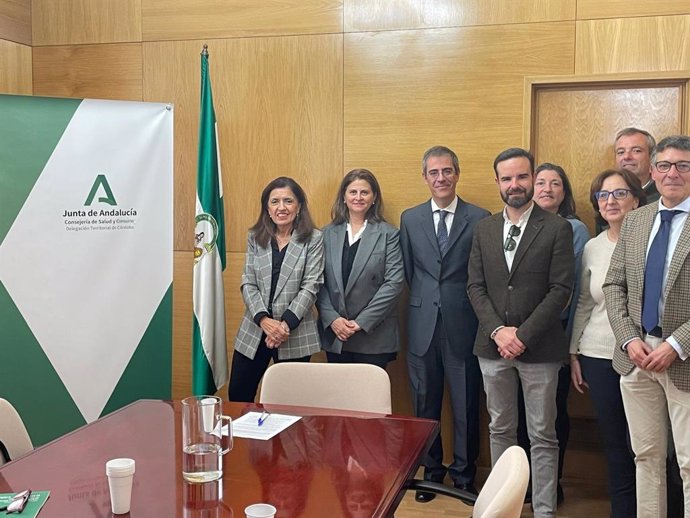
pixel 624 288
pixel 301 277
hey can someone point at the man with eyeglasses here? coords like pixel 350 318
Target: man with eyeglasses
pixel 520 278
pixel 647 292
pixel 435 238
pixel 633 149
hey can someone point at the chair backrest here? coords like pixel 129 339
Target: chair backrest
pixel 503 494
pixel 342 386
pixel 13 434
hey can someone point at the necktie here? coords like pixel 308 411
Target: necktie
pixel 654 271
pixel 442 232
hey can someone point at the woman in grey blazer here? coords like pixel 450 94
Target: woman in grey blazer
pixel 363 276
pixel 283 272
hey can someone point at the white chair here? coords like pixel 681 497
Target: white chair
pixel 13 434
pixel 341 386
pixel 503 493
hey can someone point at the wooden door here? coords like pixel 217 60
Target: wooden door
pixel 572 122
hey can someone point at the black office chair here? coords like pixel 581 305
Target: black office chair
pixel 503 493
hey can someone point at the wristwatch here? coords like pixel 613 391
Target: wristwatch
pixel 493 335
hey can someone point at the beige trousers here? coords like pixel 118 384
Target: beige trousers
pixel 650 400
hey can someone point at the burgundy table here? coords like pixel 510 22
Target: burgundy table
pixel 330 464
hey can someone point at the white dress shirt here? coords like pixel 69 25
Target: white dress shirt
pixel 450 209
pixel 522 222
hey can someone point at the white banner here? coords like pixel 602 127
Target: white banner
pixel 87 260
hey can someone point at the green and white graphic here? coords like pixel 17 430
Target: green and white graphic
pixel 209 353
pixel 85 257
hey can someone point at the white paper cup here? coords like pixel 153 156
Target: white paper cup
pixel 120 476
pixel 260 511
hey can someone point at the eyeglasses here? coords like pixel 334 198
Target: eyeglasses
pixel 18 502
pixel 510 243
pixel 618 194
pixel 664 167
pixel 448 172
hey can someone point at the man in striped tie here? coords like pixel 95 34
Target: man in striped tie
pixel 435 238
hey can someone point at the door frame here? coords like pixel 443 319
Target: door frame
pixel 535 84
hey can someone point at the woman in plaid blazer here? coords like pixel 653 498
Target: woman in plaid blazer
pixel 283 272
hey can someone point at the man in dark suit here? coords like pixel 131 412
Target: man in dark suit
pixel 435 239
pixel 520 278
pixel 647 291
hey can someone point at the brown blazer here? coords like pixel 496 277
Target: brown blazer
pixel 624 287
pixel 532 295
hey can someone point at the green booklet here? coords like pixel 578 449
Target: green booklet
pixel 33 506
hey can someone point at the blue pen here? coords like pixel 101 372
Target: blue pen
pixel 262 418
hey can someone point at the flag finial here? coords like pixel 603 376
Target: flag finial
pixel 204 52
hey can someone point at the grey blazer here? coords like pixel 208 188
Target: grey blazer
pixel 439 281
pixel 372 290
pixel 301 276
pixel 624 287
pixel 532 295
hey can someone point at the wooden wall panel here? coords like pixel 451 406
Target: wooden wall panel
pixel 588 9
pixel 71 22
pixel 95 71
pixel 193 19
pixel 402 97
pixel 279 109
pixel 15 21
pixel 367 15
pixel 660 43
pixel 15 64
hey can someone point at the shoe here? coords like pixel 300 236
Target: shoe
pixel 424 496
pixel 468 488
pixel 560 496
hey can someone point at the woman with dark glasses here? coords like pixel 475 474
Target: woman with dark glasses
pixel 613 194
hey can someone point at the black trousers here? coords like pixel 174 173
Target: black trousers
pixel 604 387
pixel 246 374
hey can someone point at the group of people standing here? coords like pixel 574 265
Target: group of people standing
pixel 501 299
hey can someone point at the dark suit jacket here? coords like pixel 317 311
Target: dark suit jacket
pixel 624 287
pixel 371 294
pixel 436 280
pixel 532 295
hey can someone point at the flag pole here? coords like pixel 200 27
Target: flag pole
pixel 209 349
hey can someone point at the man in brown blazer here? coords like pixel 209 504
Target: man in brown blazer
pixel 520 278
pixel 647 293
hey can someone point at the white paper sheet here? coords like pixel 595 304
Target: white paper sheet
pixel 248 427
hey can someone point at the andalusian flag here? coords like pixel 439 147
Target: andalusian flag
pixel 209 353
